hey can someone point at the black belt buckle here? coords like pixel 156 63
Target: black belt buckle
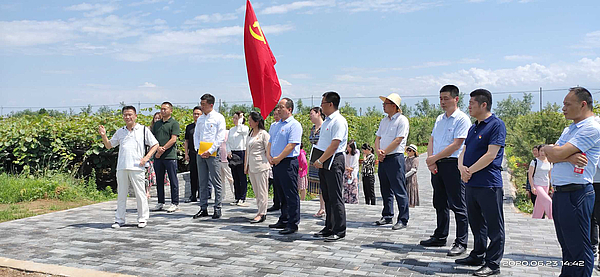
pixel 569 188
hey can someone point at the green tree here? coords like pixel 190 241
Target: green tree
pixel 348 110
pixel 461 102
pixel 300 108
pixel 406 110
pixel 426 109
pixel 87 110
pixel 512 107
pixel 374 111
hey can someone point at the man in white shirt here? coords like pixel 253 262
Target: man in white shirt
pixel 236 145
pixel 210 128
pixel 132 139
pixel 332 141
pixel 389 145
pixel 445 144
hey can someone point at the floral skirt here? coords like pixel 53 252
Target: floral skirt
pixel 350 193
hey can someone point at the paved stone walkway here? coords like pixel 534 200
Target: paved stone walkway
pixel 176 245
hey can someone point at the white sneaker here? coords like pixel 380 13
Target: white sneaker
pixel 116 225
pixel 142 224
pixel 242 203
pixel 158 207
pixel 173 208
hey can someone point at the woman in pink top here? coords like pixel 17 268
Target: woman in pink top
pixel 302 173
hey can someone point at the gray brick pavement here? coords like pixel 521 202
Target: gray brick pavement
pixel 174 244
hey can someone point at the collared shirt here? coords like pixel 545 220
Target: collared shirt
pixel 189 134
pixel 585 135
pixel 163 130
pixel 210 128
pixel 131 146
pixel 391 128
pixel 335 126
pixel 490 131
pixel 238 136
pixel 447 129
pixel 283 133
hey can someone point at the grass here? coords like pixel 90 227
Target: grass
pixel 28 195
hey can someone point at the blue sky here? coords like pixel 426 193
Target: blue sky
pixel 73 53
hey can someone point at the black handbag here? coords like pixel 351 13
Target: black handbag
pixel 235 160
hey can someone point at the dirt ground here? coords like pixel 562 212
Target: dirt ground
pixel 41 206
pixel 6 272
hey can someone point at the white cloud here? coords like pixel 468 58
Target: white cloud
pixel 400 6
pixel 518 57
pixel 300 76
pixel 284 82
pixel 211 18
pixel 592 40
pixel 93 9
pixel 28 33
pixel 432 64
pixel 147 85
pixel 145 2
pixel 285 8
pixel 216 57
pixel 469 60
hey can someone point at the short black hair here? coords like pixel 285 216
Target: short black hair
pixel 319 111
pixel 583 95
pixel 209 98
pixel 197 108
pixel 239 114
pixel 332 97
pixel 128 108
pixel 167 103
pixel 289 103
pixel 452 89
pixel 483 96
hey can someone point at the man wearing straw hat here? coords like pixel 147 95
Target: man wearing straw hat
pixel 389 145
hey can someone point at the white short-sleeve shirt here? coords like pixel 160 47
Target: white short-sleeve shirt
pixel 540 178
pixel 391 128
pixel 335 127
pixel 131 146
pixel 446 129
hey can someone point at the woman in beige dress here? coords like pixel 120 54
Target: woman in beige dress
pixel 256 164
pixel 411 164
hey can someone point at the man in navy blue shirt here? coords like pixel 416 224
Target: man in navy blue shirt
pixel 480 169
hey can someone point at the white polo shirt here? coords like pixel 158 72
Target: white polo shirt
pixel 210 128
pixel 131 146
pixel 392 128
pixel 335 126
pixel 446 129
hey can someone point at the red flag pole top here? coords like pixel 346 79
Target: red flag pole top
pixel 260 63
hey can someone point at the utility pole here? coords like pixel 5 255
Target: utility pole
pixel 219 105
pixel 360 111
pixel 139 106
pixel 541 99
pixel 312 104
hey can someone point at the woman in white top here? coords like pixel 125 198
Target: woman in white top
pixel 350 194
pixel 539 178
pixel 236 146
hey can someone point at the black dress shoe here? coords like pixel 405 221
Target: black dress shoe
pixel 261 219
pixel 383 221
pixel 288 231
pixel 486 271
pixel 278 225
pixel 201 213
pixel 456 250
pixel 469 261
pixel 322 234
pixel 334 237
pixel 272 209
pixel 217 214
pixel 433 241
pixel 190 200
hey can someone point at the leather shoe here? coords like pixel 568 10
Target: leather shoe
pixel 278 225
pixel 433 241
pixel 272 209
pixel 486 271
pixel 261 219
pixel 190 200
pixel 383 221
pixel 201 213
pixel 399 225
pixel 217 214
pixel 322 234
pixel 288 231
pixel 334 237
pixel 469 261
pixel 456 250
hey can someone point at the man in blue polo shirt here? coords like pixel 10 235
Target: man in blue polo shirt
pixel 282 151
pixel 480 169
pixel 572 176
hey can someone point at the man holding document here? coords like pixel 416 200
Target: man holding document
pixel 328 157
pixel 208 136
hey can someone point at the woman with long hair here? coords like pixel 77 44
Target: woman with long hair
pixel 151 173
pixel 316 117
pixel 368 173
pixel 350 194
pixel 236 146
pixel 539 178
pixel 256 164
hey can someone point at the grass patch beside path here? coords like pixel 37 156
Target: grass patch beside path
pixel 26 195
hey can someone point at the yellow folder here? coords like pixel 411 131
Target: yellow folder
pixel 205 146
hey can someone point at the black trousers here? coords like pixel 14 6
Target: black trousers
pixel 276 201
pixel 194 182
pixel 449 194
pixel 595 216
pixel 240 181
pixel 169 167
pixel 392 183
pixel 285 175
pixel 369 188
pixel 331 186
pixel 486 217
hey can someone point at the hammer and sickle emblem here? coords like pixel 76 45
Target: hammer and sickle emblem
pixel 258 36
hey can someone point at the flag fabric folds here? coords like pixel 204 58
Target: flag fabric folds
pixel 260 63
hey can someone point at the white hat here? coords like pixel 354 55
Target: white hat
pixel 412 147
pixel 394 97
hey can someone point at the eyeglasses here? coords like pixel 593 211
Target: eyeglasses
pixel 386 103
pixel 322 103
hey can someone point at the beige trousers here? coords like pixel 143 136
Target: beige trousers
pixel 137 179
pixel 260 185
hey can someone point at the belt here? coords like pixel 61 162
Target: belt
pixel 447 160
pixel 570 187
pixel 289 158
pixel 393 155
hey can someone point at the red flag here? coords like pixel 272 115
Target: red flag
pixel 260 63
